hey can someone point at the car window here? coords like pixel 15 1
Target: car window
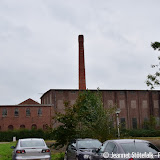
pixel 88 144
pixel 70 146
pixel 32 143
pixel 115 149
pixel 140 147
pixel 73 144
pixel 110 147
pixel 102 148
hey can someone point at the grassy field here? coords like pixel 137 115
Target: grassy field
pixel 6 152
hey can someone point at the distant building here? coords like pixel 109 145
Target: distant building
pixel 136 105
pixel 28 114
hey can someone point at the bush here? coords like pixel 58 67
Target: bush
pixel 141 133
pixel 7 136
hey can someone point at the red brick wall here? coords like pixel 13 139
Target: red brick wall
pixel 133 103
pixel 22 119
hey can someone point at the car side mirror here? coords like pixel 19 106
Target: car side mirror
pixel 95 150
pixel 73 148
pixel 13 147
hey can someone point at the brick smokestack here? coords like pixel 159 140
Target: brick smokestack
pixel 82 79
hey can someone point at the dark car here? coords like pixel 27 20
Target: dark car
pixel 81 149
pixel 126 149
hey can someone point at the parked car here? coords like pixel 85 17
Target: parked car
pixel 31 149
pixel 81 149
pixel 128 149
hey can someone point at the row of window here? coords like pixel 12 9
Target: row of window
pixel 134 104
pixel 34 126
pixel 134 122
pixel 16 112
pixel 123 123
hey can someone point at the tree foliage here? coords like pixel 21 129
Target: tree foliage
pixel 150 124
pixel 154 79
pixel 86 118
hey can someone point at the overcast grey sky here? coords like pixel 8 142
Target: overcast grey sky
pixel 39 45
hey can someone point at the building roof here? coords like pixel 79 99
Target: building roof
pixel 101 90
pixel 29 102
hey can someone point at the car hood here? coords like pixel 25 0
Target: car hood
pixel 86 151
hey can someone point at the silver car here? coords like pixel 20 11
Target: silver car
pixel 31 149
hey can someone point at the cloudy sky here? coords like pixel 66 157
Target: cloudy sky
pixel 39 45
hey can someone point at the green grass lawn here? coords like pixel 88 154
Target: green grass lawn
pixel 6 152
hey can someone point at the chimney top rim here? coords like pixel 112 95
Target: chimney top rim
pixel 80 37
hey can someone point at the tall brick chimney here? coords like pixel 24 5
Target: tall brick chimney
pixel 82 79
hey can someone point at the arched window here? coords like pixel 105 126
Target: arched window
pixel 28 112
pixel 22 126
pixel 39 111
pixel 16 112
pixel 10 127
pixel 45 127
pixel 34 126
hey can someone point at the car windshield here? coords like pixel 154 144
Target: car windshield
pixel 102 148
pixel 140 147
pixel 32 143
pixel 88 144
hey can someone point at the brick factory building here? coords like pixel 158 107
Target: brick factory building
pixel 28 114
pixel 136 105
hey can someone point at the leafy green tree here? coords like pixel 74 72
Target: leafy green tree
pixel 86 118
pixel 150 124
pixel 155 45
pixel 154 79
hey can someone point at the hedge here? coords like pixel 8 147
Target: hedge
pixel 7 136
pixel 140 133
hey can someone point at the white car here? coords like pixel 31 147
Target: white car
pixel 31 149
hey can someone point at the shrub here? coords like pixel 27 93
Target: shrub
pixel 142 133
pixel 7 136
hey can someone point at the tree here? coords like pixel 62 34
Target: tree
pixel 154 79
pixel 150 124
pixel 86 118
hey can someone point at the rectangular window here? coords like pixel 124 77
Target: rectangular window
pixel 122 104
pixel 144 104
pixel 28 112
pixel 39 111
pixel 16 112
pixel 123 123
pixel 134 123
pixel 110 103
pixel 4 112
pixel 133 104
pixel 156 103
pixel 146 123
